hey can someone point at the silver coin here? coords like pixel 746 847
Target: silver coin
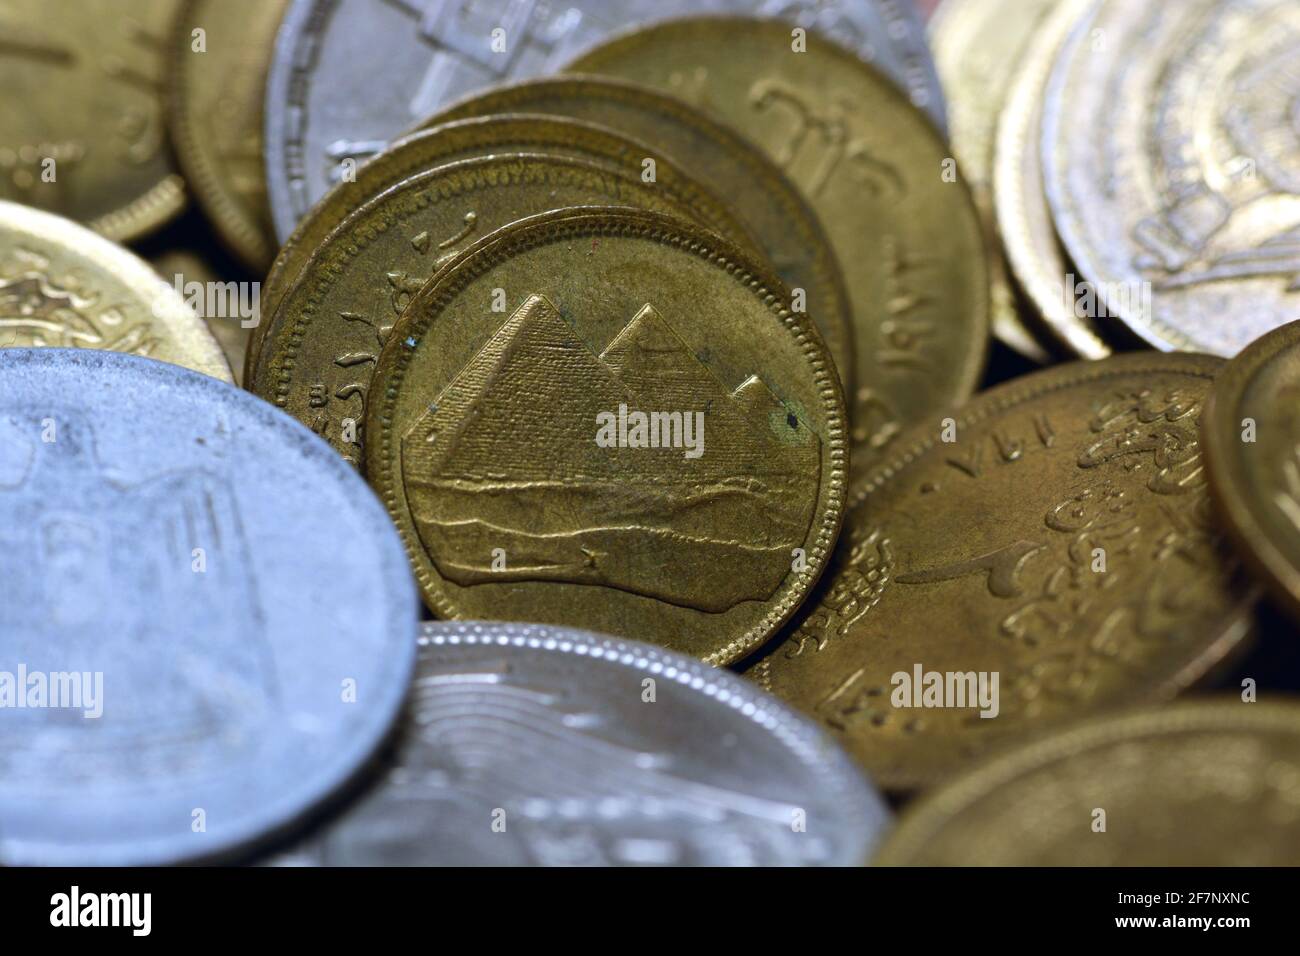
pixel 534 745
pixel 348 76
pixel 218 609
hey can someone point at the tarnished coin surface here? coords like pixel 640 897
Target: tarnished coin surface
pixel 598 453
pixel 325 106
pixel 527 745
pixel 1046 551
pixel 62 285
pixel 218 611
pixel 323 342
pixel 1252 436
pixel 1215 782
pixel 82 127
pixel 1172 151
pixel 910 242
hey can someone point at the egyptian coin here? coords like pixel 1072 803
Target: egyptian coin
pixel 1048 550
pixel 527 745
pixel 63 285
pixel 230 309
pixel 1172 153
pixel 1252 438
pixel 189 635
pixel 324 341
pixel 220 53
pixel 873 167
pixel 1215 782
pixel 82 130
pixel 761 195
pixel 1024 221
pixel 324 105
pixel 597 454
pixel 468 139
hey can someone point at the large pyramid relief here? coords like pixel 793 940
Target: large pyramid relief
pixel 510 444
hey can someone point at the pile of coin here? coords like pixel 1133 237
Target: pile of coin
pixel 607 483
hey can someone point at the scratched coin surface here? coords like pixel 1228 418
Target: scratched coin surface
pixel 1214 782
pixel 1061 542
pixel 226 599
pixel 469 139
pixel 324 104
pixel 215 98
pixel 871 165
pixel 82 130
pixel 324 340
pixel 1172 151
pixel 63 285
pixel 527 745
pixel 1252 436
pixel 595 453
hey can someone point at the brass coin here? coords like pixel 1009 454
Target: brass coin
pixel 1055 535
pixel 82 131
pixel 1252 439
pixel 508 449
pixel 215 114
pixel 872 166
pixel 64 286
pixel 468 139
pixel 761 195
pixel 189 270
pixel 1214 782
pixel 326 335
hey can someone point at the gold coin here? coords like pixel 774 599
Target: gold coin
pixel 763 198
pixel 320 351
pixel 62 285
pixel 873 167
pixel 1028 234
pixel 598 453
pixel 82 132
pixel 1252 438
pixel 1053 540
pixel 193 273
pixel 215 114
pixel 467 139
pixel 1213 782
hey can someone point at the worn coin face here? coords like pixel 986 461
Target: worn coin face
pixel 871 165
pixel 324 340
pixel 597 453
pixel 62 285
pixel 215 113
pixel 188 637
pixel 1208 783
pixel 532 745
pixel 82 131
pixel 1047 551
pixel 1252 434
pixel 1172 150
pixel 762 196
pixel 324 105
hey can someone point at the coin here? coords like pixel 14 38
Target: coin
pixel 219 55
pixel 1173 166
pixel 226 593
pixel 764 199
pixel 323 342
pixel 1046 551
pixel 324 105
pixel 472 138
pixel 872 167
pixel 1214 782
pixel 82 131
pixel 533 745
pixel 1252 438
pixel 62 285
pixel 1033 250
pixel 518 453
pixel 190 271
